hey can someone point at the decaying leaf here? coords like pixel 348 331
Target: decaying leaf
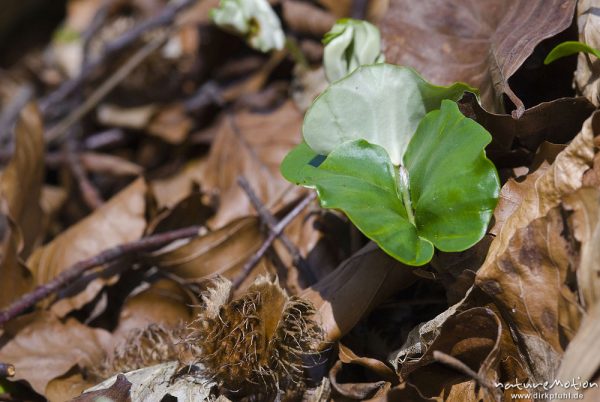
pixel 358 285
pixel 47 348
pixel 480 43
pixel 122 219
pixel 526 269
pixel 253 145
pixel 20 192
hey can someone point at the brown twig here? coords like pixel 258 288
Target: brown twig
pixel 166 17
pixel 461 367
pixel 359 9
pixel 91 195
pixel 75 271
pixel 60 129
pixel 269 220
pixel 277 230
pixel 7 370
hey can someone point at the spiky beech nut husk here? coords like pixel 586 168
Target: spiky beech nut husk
pixel 257 343
pixel 143 347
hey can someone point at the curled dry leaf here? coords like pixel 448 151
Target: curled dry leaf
pixel 526 269
pixel 557 121
pixel 358 285
pixel 47 348
pixel 480 43
pixel 120 220
pixel 577 361
pixel 20 193
pixel 473 337
pixel 220 252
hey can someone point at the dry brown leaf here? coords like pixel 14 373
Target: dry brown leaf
pixel 473 337
pixel 171 124
pixel 527 264
pixel 253 145
pixel 47 348
pixel 67 386
pixel 20 192
pixel 170 191
pixel 165 302
pixel 357 286
pixel 120 220
pixel 220 252
pixel 578 362
pixel 347 356
pixel 356 390
pixel 585 223
pixel 482 43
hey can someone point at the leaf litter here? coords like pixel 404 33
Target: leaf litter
pixel 265 295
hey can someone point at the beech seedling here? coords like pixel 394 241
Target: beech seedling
pixel 349 44
pixel 568 48
pixel 395 154
pixel 255 20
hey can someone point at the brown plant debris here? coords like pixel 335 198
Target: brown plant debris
pixel 261 340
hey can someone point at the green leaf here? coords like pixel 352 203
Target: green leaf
pixel 568 48
pixel 381 103
pixel 453 186
pixel 358 178
pixel 349 44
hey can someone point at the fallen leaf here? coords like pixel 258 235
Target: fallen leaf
pixel 253 145
pixel 220 252
pixel 47 348
pixel 135 118
pixel 20 193
pixel 120 220
pixel 577 362
pixel 480 43
pixel 358 285
pixel 529 253
pixel 165 302
pixel 171 124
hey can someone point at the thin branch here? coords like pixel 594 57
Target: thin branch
pixel 7 370
pixel 75 271
pixel 166 17
pixel 107 86
pixel 271 223
pixel 359 9
pixel 89 192
pixel 461 367
pixel 277 230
